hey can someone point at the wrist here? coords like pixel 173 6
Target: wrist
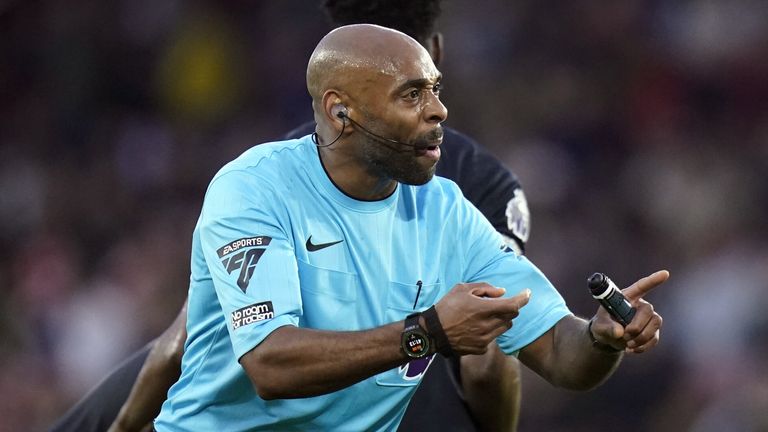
pixel 436 332
pixel 415 342
pixel 600 346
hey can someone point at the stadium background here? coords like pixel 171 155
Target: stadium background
pixel 639 130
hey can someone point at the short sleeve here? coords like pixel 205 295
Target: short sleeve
pixel 490 260
pixel 250 258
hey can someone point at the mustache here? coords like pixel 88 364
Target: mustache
pixel 428 139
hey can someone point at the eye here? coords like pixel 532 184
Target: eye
pixel 436 88
pixel 413 94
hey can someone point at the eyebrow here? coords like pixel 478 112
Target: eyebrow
pixel 418 83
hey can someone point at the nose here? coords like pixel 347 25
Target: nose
pixel 434 110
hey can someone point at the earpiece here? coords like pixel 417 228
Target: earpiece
pixel 340 111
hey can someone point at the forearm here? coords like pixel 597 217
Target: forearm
pixel 296 362
pixel 572 362
pixel 491 384
pixel 161 369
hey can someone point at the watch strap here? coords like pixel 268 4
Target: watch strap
pixel 436 332
pixel 412 320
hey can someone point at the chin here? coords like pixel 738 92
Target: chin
pixel 417 178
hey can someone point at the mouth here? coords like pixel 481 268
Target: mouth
pixel 432 140
pixel 429 145
pixel 435 143
pixel 431 151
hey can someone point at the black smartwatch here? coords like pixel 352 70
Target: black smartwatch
pixel 414 339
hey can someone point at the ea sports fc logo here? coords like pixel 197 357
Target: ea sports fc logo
pixel 242 255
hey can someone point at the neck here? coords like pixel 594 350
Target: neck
pixel 351 177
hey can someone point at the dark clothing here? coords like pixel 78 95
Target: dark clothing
pixel 438 404
pixel 99 408
pixel 486 183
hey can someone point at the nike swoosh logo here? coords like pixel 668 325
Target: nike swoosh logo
pixel 316 247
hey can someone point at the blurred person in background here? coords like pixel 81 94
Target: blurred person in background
pixel 472 392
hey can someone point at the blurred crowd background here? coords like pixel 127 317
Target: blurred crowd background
pixel 638 129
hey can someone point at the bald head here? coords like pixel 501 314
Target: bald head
pixel 352 55
pixel 386 80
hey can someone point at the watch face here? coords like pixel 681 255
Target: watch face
pixel 415 344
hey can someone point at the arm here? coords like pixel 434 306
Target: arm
pixel 566 356
pixel 491 384
pixel 297 362
pixel 160 371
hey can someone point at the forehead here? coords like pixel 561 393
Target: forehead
pixel 397 70
pixel 419 66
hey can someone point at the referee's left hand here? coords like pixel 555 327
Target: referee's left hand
pixel 642 333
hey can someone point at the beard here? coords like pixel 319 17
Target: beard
pixel 399 162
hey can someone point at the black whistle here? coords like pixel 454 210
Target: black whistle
pixel 611 298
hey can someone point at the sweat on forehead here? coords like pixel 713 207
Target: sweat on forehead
pixel 347 53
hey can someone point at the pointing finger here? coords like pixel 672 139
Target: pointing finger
pixel 645 285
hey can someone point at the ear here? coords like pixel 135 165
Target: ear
pixel 435 47
pixel 332 100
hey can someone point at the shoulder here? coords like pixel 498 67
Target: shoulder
pixel 261 168
pixel 265 159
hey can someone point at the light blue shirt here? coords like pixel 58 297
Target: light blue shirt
pixel 277 243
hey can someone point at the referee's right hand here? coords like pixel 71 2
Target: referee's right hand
pixel 475 314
